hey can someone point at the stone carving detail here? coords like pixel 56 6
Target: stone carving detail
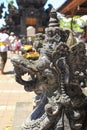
pixel 58 77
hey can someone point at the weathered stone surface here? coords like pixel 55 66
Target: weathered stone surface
pixel 57 77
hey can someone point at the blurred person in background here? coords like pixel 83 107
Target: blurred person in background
pixel 4 45
pixel 29 41
pixel 12 38
pixel 17 44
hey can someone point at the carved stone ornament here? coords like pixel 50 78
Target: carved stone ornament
pixel 58 77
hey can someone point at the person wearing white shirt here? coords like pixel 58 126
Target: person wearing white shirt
pixel 4 44
pixel 12 38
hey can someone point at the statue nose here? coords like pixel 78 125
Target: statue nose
pixel 16 58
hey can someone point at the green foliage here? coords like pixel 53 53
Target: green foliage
pixel 75 25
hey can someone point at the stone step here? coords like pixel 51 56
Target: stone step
pixel 22 110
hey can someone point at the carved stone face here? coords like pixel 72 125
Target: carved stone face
pixel 40 78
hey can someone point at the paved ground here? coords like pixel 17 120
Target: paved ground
pixel 10 93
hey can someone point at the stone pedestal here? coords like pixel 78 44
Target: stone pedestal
pixel 21 112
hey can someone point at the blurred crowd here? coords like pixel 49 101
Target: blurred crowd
pixel 10 42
